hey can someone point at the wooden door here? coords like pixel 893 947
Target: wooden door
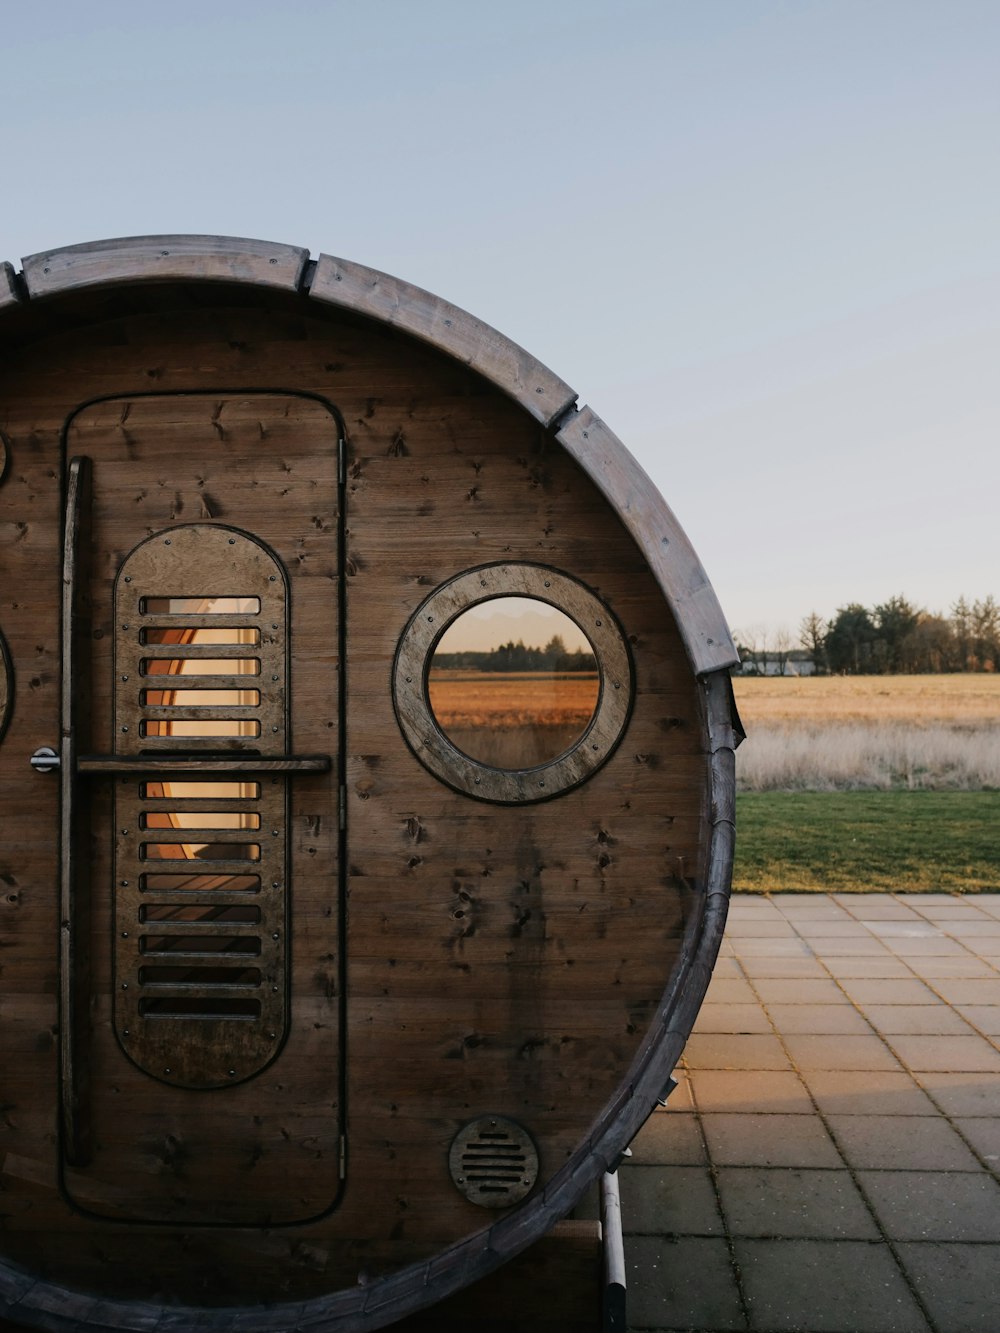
pixel 201 971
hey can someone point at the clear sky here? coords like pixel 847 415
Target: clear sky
pixel 760 237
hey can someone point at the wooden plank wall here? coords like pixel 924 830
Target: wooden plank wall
pixel 499 959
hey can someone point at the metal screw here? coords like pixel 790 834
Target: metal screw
pixel 124 883
pixel 124 677
pixel 275 884
pixel 232 541
pixel 274 833
pixel 271 578
pixel 597 622
pixel 124 985
pixel 275 936
pixel 274 728
pixel 166 541
pixel 124 832
pixel 124 626
pixel 232 1073
pixel 124 934
pixel 274 677
pixel 124 728
pixel 128 578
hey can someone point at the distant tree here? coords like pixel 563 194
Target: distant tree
pixel 930 645
pixel 986 634
pixel 849 641
pixel 961 626
pixel 894 621
pixel 751 644
pixel 812 631
pixel 781 642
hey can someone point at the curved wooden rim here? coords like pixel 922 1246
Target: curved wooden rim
pixel 8 285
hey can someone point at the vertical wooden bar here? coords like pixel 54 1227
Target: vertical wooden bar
pixel 74 894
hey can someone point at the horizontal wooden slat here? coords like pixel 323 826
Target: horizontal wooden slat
pixel 106 765
pixel 448 328
pixel 196 713
pixel 164 259
pixel 194 651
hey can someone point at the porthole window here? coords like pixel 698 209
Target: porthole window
pixel 512 683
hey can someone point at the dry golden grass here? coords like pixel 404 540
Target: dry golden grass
pixel 918 700
pixel 937 733
pixel 499 701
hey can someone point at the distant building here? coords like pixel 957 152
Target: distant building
pixel 796 663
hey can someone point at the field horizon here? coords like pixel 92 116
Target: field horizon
pixel 868 784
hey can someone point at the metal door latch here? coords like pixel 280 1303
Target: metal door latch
pixel 45 759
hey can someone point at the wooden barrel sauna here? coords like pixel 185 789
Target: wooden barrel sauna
pixel 333 974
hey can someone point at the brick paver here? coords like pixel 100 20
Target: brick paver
pixel 831 1163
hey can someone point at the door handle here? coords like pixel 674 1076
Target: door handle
pixel 45 759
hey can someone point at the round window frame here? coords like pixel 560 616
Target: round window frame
pixel 425 735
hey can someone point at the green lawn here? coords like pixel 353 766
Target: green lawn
pixel 902 841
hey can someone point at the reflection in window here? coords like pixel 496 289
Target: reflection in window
pixel 513 682
pixel 200 883
pixel 202 789
pixel 194 667
pixel 199 606
pixel 207 666
pixel 219 727
pixel 199 851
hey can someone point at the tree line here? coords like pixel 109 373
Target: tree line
pixel 893 637
pixel 555 656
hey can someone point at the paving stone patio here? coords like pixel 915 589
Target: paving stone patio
pixel 830 1162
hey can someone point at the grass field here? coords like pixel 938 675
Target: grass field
pixel 937 733
pixel 869 783
pixel 516 719
pixel 853 841
pixel 918 700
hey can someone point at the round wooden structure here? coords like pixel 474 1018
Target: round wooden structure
pixel 311 1013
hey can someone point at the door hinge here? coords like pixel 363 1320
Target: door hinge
pixel 343 1157
pixel 343 808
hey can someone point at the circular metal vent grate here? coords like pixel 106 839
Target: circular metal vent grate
pixel 493 1161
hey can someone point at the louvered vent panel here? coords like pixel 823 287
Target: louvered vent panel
pixel 493 1162
pixel 200 863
